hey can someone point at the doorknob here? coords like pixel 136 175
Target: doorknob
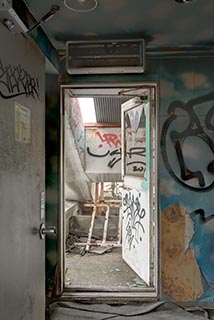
pixel 47 231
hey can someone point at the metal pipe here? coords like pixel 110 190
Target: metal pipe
pixel 91 229
pixel 53 10
pixel 119 234
pixel 105 229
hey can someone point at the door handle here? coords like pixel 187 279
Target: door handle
pixel 47 231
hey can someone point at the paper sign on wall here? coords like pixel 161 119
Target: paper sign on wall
pixel 22 123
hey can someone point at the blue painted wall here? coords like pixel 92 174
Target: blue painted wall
pixel 186 141
pixel 187 161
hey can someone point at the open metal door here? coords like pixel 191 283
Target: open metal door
pixel 22 179
pixel 137 163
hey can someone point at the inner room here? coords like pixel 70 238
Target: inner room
pixel 105 219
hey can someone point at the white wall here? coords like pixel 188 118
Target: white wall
pixel 77 184
pixel 103 154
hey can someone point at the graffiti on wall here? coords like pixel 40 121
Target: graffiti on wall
pixel 187 145
pixel 106 144
pixel 16 81
pixel 192 178
pixel 111 139
pixel 111 143
pixel 135 214
pixel 115 155
pixel 76 122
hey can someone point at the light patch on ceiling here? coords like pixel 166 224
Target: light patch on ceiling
pixel 205 34
pixel 91 34
pixel 194 80
pixel 208 8
pixel 162 11
pixel 127 22
pixel 160 40
pixel 112 5
pixel 167 89
pixel 186 24
pixel 87 110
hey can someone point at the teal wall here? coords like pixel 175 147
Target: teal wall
pixel 185 172
pixel 187 178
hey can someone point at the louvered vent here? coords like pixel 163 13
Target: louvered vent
pixel 108 109
pixel 113 56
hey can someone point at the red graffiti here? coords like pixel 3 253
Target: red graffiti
pixel 112 139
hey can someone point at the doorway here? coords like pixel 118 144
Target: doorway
pixel 109 211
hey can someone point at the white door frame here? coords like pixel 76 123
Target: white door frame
pixel 94 89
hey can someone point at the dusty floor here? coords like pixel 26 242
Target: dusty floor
pixel 106 270
pixel 143 311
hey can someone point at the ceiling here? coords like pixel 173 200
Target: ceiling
pixel 102 105
pixel 162 23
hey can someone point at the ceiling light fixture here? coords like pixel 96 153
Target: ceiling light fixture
pixel 183 1
pixel 81 5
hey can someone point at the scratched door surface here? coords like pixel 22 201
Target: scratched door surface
pixel 136 150
pixel 22 178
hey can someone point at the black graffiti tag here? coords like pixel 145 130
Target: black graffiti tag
pixel 193 129
pixel 16 81
pixel 139 169
pixel 134 213
pixel 113 153
pixel 138 166
pixel 116 154
pixel 115 160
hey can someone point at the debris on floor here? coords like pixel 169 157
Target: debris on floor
pixel 101 271
pixel 137 282
pixel 72 248
pixel 100 250
pixel 115 270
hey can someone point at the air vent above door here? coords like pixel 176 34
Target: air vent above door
pixel 109 56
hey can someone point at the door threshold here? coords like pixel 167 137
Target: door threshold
pixel 108 289
pixel 110 296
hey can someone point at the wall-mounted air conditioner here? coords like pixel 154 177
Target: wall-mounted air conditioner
pixel 108 56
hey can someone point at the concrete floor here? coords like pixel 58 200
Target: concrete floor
pixel 105 271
